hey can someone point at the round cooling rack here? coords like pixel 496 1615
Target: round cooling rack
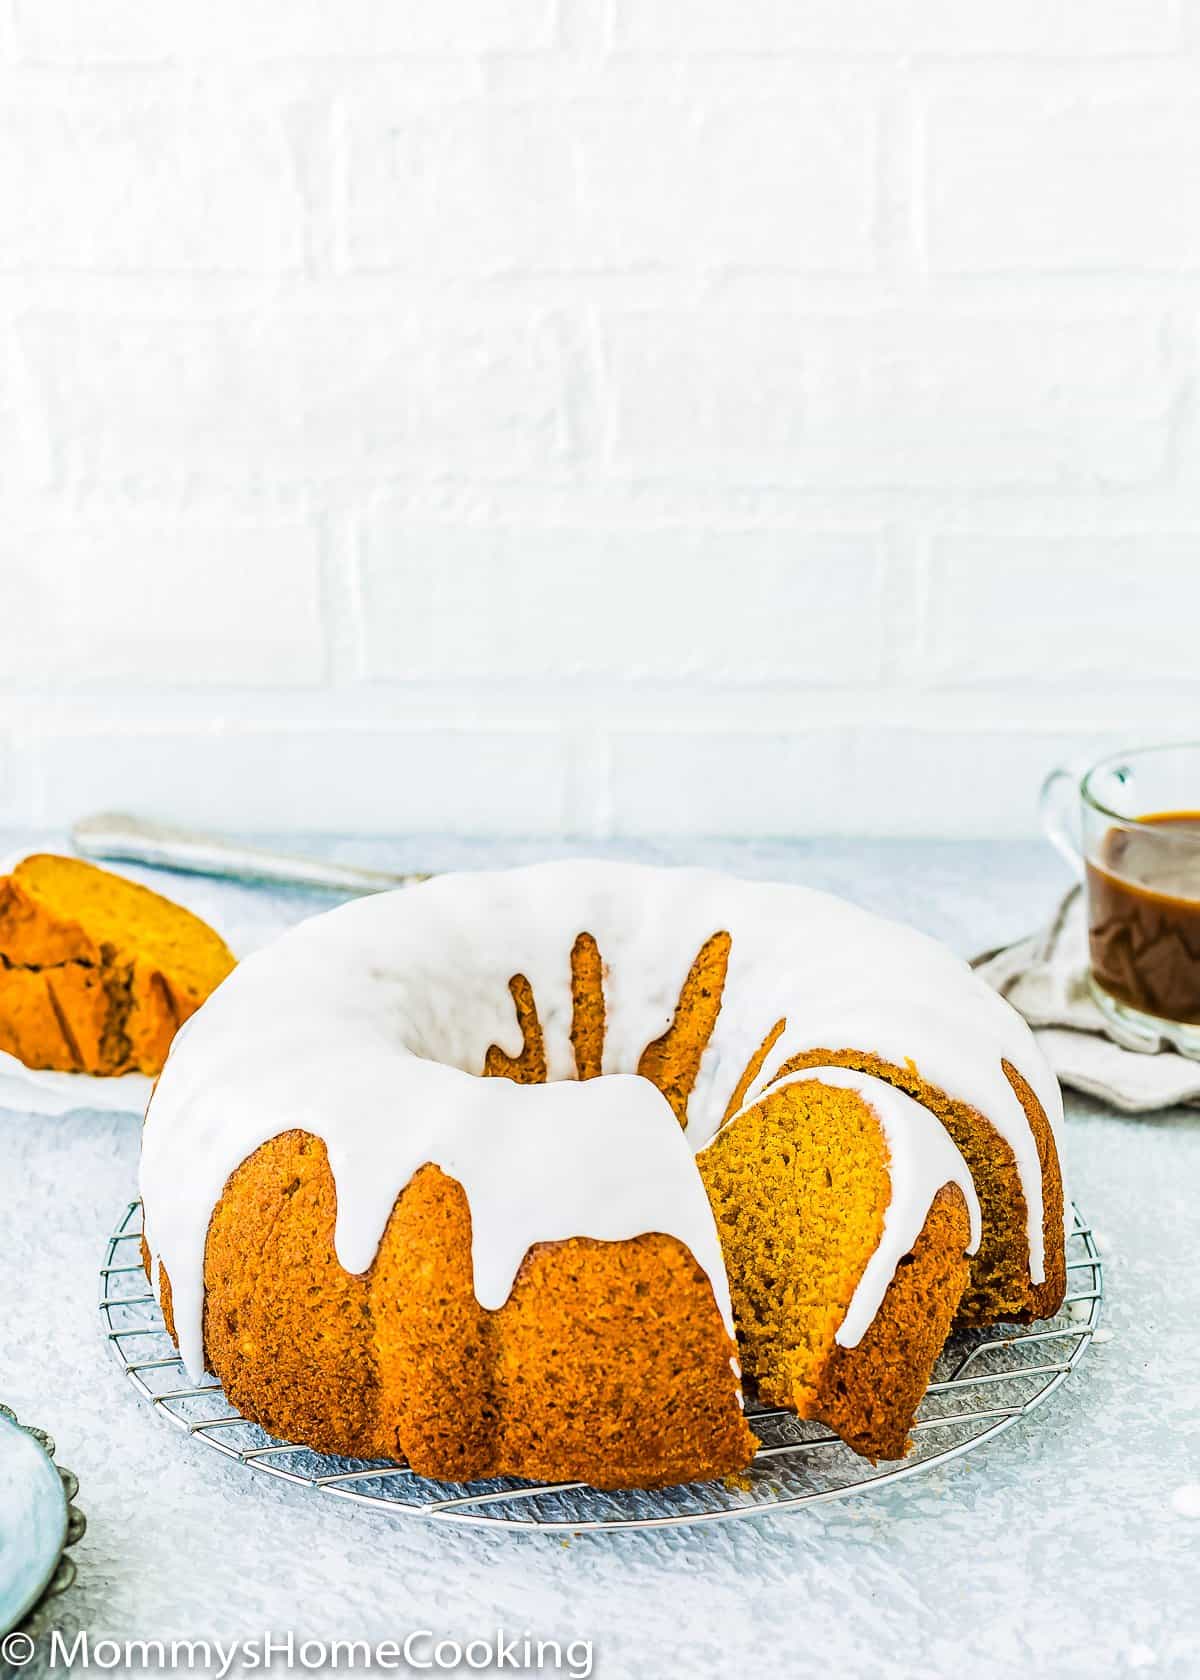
pixel 984 1381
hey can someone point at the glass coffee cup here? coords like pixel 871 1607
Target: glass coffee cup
pixel 1134 841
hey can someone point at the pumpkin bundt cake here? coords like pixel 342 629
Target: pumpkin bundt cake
pixel 96 972
pixel 521 1172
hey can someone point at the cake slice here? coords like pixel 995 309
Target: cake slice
pixel 97 973
pixel 846 1218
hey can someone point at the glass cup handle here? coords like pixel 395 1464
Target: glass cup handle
pixel 1055 821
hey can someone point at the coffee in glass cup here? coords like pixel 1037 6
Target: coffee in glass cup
pixel 1137 850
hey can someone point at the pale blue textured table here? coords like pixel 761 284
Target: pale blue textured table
pixel 1056 1550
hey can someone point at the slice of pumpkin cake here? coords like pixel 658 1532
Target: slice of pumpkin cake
pixel 846 1217
pixel 97 973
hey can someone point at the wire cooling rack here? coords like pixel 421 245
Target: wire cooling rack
pixel 984 1381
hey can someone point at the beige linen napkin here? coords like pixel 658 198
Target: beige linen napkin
pixel 1045 978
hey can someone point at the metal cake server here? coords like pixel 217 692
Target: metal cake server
pixel 113 835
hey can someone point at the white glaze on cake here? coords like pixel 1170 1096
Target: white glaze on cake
pixel 539 1163
pixel 922 1158
pixel 368 1026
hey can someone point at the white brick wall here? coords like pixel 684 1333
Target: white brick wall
pixel 94 184
pixel 499 603
pixel 474 186
pixel 530 415
pixel 161 603
pixel 901 400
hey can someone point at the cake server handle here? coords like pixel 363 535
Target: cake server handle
pixel 114 835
